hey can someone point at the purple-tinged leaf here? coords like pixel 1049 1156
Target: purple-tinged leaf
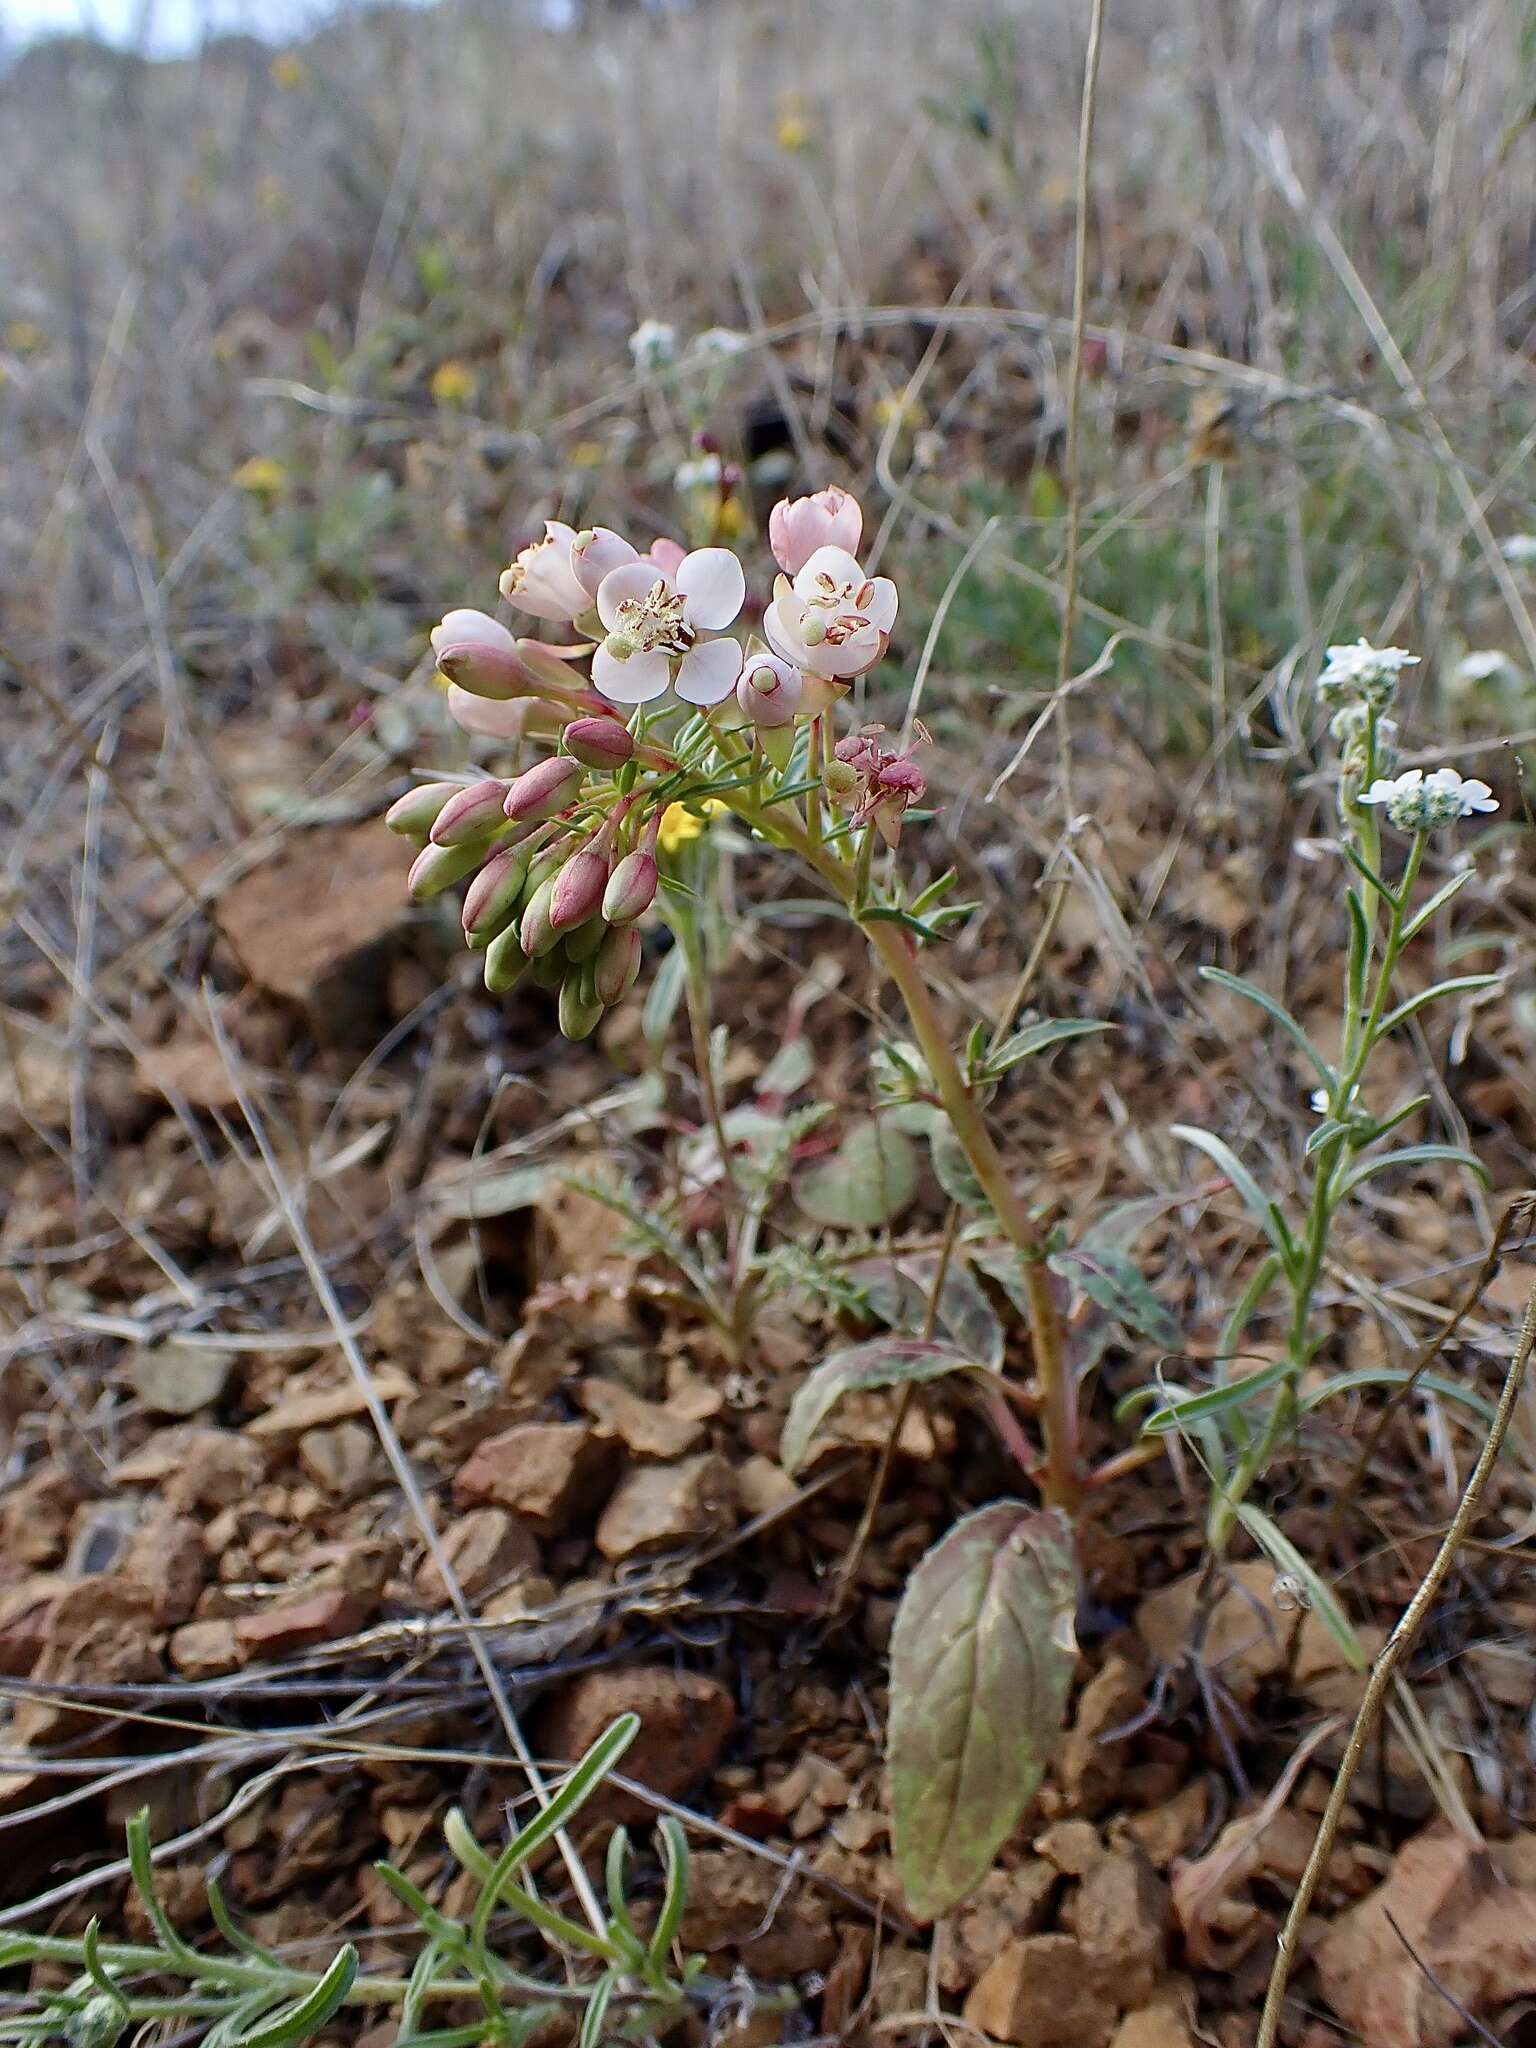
pixel 883 1362
pixel 981 1661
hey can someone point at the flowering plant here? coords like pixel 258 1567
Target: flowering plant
pixel 659 711
pixel 1239 1424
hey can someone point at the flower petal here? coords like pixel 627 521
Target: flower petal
pixel 605 551
pixel 881 608
pixel 834 562
pixel 635 681
pixel 708 671
pixel 631 580
pixel 468 628
pixel 491 718
pixel 715 586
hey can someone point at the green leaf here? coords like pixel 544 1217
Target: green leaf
pixel 1459 985
pixel 1113 1280
pixel 951 1165
pixel 1221 1155
pixel 598 2001
pixel 663 997
pixel 1035 1038
pixel 1325 1134
pixel 1184 1413
pixel 1413 1155
pixel 308 2014
pixel 1438 901
pixel 1359 953
pixel 898 1292
pixel 883 1362
pixel 982 1659
pixel 1397 1376
pixel 1282 1552
pixel 675 1866
pixel 1278 1012
pixel 891 913
pixel 868 1181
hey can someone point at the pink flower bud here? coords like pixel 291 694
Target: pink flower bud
pixel 667 555
pixel 491 899
pixel 769 690
pixel 578 889
pixel 544 789
pixel 414 814
pixel 859 751
pixel 618 965
pixel 797 527
pixel 471 814
pixel 600 742
pixel 904 778
pixel 631 887
pixel 437 868
pixel 480 655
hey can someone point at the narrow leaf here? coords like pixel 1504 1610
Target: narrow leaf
pixel 1459 985
pixel 1282 1552
pixel 1179 1415
pixel 1036 1038
pixel 1278 1012
pixel 1220 1153
pixel 1438 901
pixel 1413 1155
pixel 1397 1376
pixel 981 1662
pixel 884 1362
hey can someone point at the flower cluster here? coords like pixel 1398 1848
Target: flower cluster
pixel 655 705
pixel 1363 673
pixel 1416 802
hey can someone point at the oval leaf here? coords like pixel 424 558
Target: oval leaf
pixel 884 1362
pixel 1113 1280
pixel 981 1661
pixel 868 1181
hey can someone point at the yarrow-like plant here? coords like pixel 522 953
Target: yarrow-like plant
pixel 657 714
pixel 1240 1424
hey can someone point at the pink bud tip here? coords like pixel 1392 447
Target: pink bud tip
pixel 599 742
pixel 414 814
pixel 797 527
pixel 631 887
pixel 492 897
pixel 544 789
pixel 578 889
pixel 470 814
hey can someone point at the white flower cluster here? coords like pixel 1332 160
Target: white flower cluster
pixel 1363 673
pixel 1416 802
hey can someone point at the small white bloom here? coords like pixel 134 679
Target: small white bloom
pixel 1362 670
pixel 1319 1101
pixel 1416 802
pixel 653 345
pixel 702 473
pixel 721 342
pixel 1483 664
pixel 654 620
pixel 1520 547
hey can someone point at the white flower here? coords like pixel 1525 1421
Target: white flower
pixel 1362 670
pixel 721 342
pixel 1482 664
pixel 702 473
pixel 653 345
pixel 542 580
pixel 1520 547
pixel 1416 802
pixel 654 620
pixel 833 621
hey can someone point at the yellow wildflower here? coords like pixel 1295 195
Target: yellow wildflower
pixel 680 825
pixel 792 131
pixel 588 455
pixel 453 383
pixel 24 336
pixel 261 475
pixel 287 70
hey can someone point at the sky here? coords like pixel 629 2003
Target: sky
pixel 173 26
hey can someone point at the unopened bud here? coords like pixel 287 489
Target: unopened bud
pixel 479 655
pixel 544 789
pixel 414 814
pixel 491 901
pixel 100 2022
pixel 580 1009
pixel 578 889
pixel 505 962
pixel 631 887
pixel 471 814
pixel 538 934
pixel 840 779
pixel 618 964
pixel 582 944
pixel 550 970
pixel 600 742
pixel 437 868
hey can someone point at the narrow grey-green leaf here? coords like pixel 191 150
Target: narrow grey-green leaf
pixel 1037 1037
pixel 1280 1015
pixel 981 1662
pixel 1460 985
pixel 899 1291
pixel 1397 1376
pixel 883 1362
pixel 1221 1154
pixel 868 1181
pixel 1113 1280
pixel 1414 1155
